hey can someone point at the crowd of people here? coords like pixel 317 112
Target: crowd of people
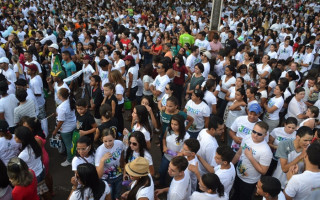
pixel 234 111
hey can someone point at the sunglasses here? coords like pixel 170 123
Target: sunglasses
pixel 255 132
pixel 134 143
pixel 83 149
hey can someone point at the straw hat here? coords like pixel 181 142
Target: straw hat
pixel 139 167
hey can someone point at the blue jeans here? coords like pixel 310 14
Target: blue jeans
pixel 67 140
pixel 115 187
pixel 163 170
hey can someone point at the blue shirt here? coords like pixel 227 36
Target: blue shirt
pixel 69 67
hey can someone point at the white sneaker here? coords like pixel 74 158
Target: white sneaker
pixel 65 163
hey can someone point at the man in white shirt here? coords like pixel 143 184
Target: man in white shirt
pixel 180 187
pixel 307 59
pixel 270 188
pixel 201 42
pixel 193 59
pixel 6 70
pixel 285 51
pixel 158 86
pixel 253 160
pixel 208 142
pixel 305 186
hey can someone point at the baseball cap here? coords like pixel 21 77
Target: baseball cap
pixel 4 60
pixel 128 57
pixel 32 67
pixel 3 126
pixel 255 108
pixel 86 57
pixel 55 46
pixel 21 82
pixel 207 54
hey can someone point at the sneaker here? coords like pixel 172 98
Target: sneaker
pixel 65 163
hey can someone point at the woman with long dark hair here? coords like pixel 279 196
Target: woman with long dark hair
pixel 5 187
pixel 9 148
pixel 142 186
pixel 91 186
pixel 211 186
pixel 138 148
pixel 140 122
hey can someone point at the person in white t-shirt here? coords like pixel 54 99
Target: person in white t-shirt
pixel 158 86
pixel 305 186
pixel 180 187
pixel 291 152
pixel 57 84
pixel 273 107
pixel 253 160
pixel 66 122
pixel 224 169
pixel 87 70
pixel 212 187
pixel 209 90
pixel 208 142
pixel 142 186
pixel 270 188
pixel 8 103
pixel 9 148
pixel 307 59
pixel 201 42
pixel 86 184
pixel 243 125
pixel 131 78
pixel 85 152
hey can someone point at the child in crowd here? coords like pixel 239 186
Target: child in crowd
pixel 96 98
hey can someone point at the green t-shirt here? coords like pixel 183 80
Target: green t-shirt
pixel 186 38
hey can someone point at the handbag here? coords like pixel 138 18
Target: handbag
pixel 55 142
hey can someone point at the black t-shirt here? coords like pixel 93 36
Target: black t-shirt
pixel 112 98
pixel 111 123
pixel 85 122
pixel 231 44
pixel 97 100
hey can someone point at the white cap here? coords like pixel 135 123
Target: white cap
pixel 54 46
pixel 207 54
pixel 4 60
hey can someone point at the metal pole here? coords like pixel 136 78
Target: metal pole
pixel 216 14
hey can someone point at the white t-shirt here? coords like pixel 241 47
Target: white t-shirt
pixel 180 190
pixel 242 127
pixel 304 186
pixel 307 59
pixel 208 147
pixel 173 144
pixel 206 196
pixel 147 192
pixel 206 70
pixel 147 79
pixel 145 132
pixel 203 44
pixel 10 75
pixel 36 85
pixel 226 176
pixel 261 70
pixel 28 156
pixel 164 99
pixel 261 153
pixel 135 155
pixel 226 85
pixel 7 106
pixel 134 71
pixel 273 55
pixel 192 61
pixel 160 84
pixel 210 99
pixel 87 72
pixel 193 177
pixel 118 65
pixel 56 89
pixel 104 76
pixel 274 101
pixel 296 108
pixel 88 195
pixel 66 115
pixel 120 90
pixel 8 149
pixel 280 135
pixel 198 112
pixel 280 196
pixel 112 167
pixel 79 160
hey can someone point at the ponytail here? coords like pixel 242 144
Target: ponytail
pixel 212 182
pixel 65 94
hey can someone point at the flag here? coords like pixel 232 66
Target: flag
pixel 56 68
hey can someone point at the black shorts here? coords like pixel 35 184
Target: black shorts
pixel 132 95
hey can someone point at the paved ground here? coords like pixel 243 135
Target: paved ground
pixel 62 175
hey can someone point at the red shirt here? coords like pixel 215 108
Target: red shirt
pixel 179 74
pixel 125 43
pixel 26 192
